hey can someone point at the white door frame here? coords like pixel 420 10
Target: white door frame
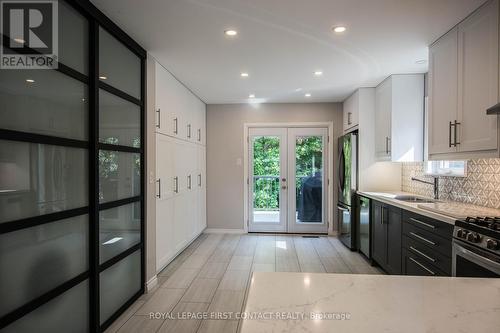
pixel 328 173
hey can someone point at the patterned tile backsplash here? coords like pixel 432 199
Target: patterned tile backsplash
pixel 480 187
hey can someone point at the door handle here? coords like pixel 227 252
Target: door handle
pixel 422 266
pixel 189 182
pixel 349 122
pixel 199 134
pixel 189 131
pixel 199 180
pixel 450 144
pixel 176 126
pixel 455 130
pixel 159 118
pixel 387 145
pixel 159 188
pixel 176 184
pixel 423 238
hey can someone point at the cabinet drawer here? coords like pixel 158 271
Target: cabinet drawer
pixel 427 254
pixel 431 240
pixel 414 265
pixel 437 227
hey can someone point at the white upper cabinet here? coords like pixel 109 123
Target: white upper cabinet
pixel 179 113
pixel 351 112
pixel 399 118
pixel 463 83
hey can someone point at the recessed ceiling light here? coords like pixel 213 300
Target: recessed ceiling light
pixel 30 80
pixel 231 33
pixel 339 29
pixel 102 77
pixel 308 95
pixel 318 73
pixel 251 96
pixel 19 40
pixel 421 62
pixel 244 74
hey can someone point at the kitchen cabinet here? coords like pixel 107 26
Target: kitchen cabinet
pixel 386 242
pixel 179 113
pixel 399 118
pixel 463 83
pixel 180 197
pixel 351 112
pixel 427 245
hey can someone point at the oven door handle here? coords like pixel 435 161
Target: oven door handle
pixel 474 257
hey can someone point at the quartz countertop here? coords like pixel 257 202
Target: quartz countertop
pixel 370 303
pixel 446 211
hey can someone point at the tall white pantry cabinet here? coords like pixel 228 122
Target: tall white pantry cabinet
pixel 180 166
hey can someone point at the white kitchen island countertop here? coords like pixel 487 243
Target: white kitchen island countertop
pixel 370 303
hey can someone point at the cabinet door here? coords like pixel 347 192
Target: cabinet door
pixel 383 107
pixel 414 265
pixel 442 92
pixel 169 102
pixel 165 242
pixel 478 79
pixel 379 239
pixel 351 106
pixel 200 183
pixel 393 240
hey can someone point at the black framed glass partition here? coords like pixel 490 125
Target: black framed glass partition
pixel 72 180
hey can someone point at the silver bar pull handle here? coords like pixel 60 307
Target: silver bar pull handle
pixel 349 122
pixel 423 223
pixel 423 238
pixel 450 144
pixel 159 118
pixel 159 188
pixel 176 126
pixel 455 130
pixel 189 131
pixel 422 254
pixel 199 180
pixel 199 134
pixel 176 184
pixel 422 266
pixel 189 182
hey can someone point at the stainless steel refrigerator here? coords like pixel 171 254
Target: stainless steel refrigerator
pixel 347 186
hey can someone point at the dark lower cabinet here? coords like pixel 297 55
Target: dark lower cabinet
pixel 386 242
pixel 415 265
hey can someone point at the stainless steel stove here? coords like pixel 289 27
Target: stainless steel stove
pixel 476 247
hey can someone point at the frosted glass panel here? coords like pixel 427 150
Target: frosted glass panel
pixel 40 258
pixel 54 104
pixel 65 313
pixel 119 229
pixel 118 66
pixel 38 179
pixel 119 283
pixel 119 121
pixel 119 175
pixel 73 38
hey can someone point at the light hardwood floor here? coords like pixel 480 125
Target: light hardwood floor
pixel 212 274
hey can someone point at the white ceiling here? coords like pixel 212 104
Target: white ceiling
pixel 280 43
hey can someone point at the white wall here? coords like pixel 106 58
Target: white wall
pixel 225 151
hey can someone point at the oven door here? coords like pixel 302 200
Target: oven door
pixel 470 261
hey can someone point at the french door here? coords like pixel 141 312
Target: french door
pixel 287 183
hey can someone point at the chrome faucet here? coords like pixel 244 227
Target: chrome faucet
pixel 435 184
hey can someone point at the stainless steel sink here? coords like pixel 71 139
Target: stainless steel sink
pixel 414 198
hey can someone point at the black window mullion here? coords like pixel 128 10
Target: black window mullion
pixel 125 149
pixel 12 135
pixel 41 219
pixel 110 262
pixel 118 203
pixel 119 93
pixel 143 173
pixel 94 302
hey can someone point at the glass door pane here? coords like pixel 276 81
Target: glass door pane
pixel 307 191
pixel 267 181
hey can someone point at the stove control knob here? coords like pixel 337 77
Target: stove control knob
pixel 473 237
pixel 461 233
pixel 492 244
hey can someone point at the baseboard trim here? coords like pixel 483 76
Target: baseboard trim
pixel 224 231
pixel 151 284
